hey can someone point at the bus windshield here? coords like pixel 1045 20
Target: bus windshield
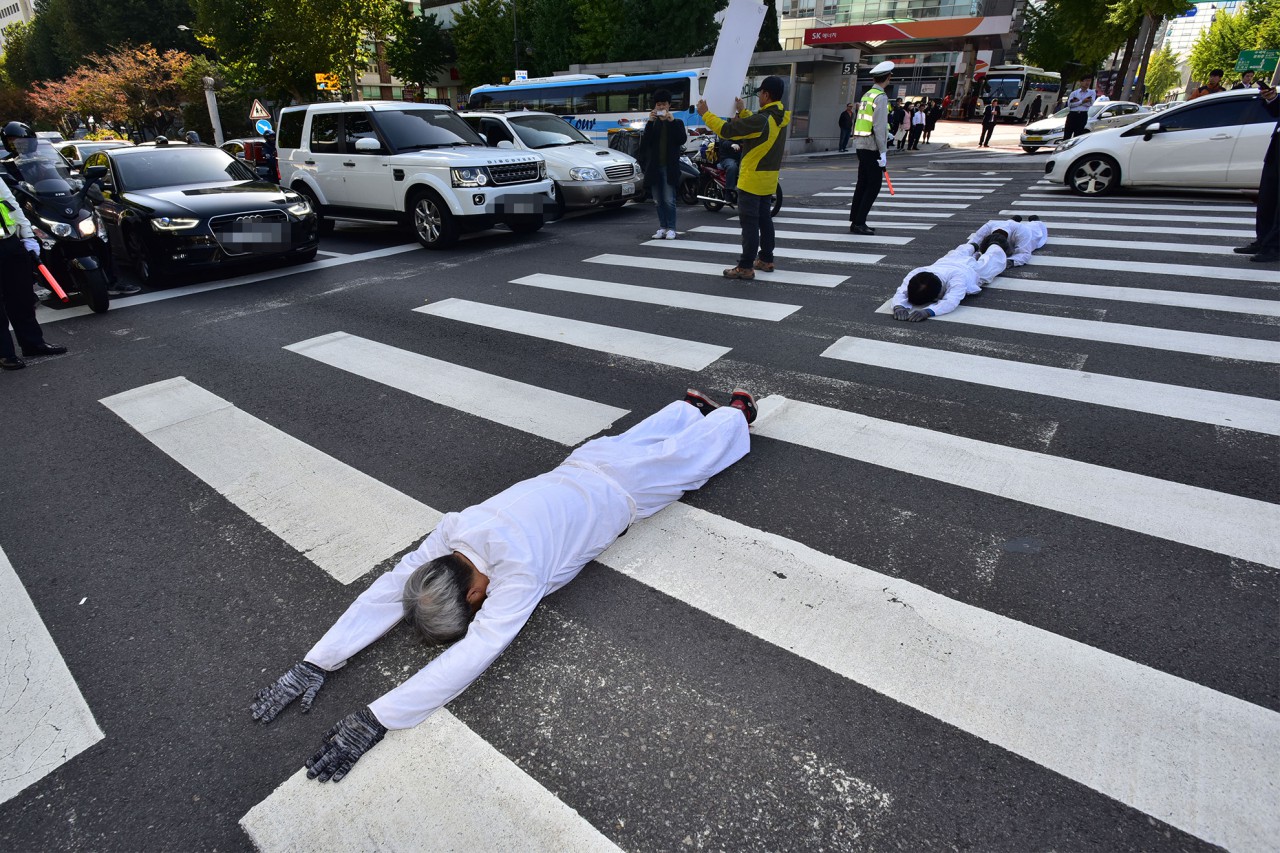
pixel 1004 88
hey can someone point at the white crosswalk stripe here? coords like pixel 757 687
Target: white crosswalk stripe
pixel 45 721
pixel 782 276
pixel 779 252
pixel 877 240
pixel 1245 272
pixel 1198 343
pixel 1192 404
pixel 1147 228
pixel 1127 217
pixel 660 349
pixel 1136 205
pixel 1142 246
pixel 1142 295
pixel 750 308
pixel 916 201
pixel 844 212
pixel 835 223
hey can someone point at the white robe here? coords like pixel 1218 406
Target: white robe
pixel 961 273
pixel 1024 237
pixel 534 538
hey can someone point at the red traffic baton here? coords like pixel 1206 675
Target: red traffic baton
pixel 48 276
pixel 889 181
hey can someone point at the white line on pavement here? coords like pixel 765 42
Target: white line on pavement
pixel 809 279
pixel 831 223
pixel 844 212
pixel 796 254
pixel 45 721
pixel 886 197
pixel 805 235
pixel 529 408
pixel 1246 271
pixel 342 520
pixel 1192 404
pixel 1127 216
pixel 734 307
pixel 1143 246
pixel 1148 228
pixel 1172 298
pixel 1172 340
pixel 660 349
pixel 1101 206
pixel 1187 755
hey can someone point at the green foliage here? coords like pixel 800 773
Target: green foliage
pixel 1264 15
pixel 482 34
pixel 598 27
pixel 1219 46
pixel 769 29
pixel 1162 74
pixel 417 48
pixel 1047 44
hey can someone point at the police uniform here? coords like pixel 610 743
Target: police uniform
pixel 17 299
pixel 871 141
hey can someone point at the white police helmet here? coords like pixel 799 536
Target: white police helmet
pixel 883 68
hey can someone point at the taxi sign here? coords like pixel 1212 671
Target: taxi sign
pixel 258 111
pixel 262 126
pixel 327 82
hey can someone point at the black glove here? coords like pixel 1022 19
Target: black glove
pixel 353 736
pixel 303 679
pixel 900 313
pixel 919 314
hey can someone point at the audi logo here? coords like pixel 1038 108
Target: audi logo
pixel 250 217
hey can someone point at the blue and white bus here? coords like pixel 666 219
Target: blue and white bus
pixel 595 105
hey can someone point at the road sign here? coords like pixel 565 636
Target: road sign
pixel 328 83
pixel 1259 60
pixel 521 75
pixel 262 126
pixel 258 111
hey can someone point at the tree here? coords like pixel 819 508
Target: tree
pixel 483 36
pixel 1162 74
pixel 417 48
pixel 598 27
pixel 768 39
pixel 1219 46
pixel 551 29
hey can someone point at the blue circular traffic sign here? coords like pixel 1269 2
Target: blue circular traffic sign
pixel 262 126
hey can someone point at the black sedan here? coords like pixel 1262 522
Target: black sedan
pixel 175 207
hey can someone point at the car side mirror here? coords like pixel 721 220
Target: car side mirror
pixel 368 145
pixel 1150 130
pixel 505 143
pixel 95 173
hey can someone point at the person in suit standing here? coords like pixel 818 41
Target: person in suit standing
pixel 917 128
pixel 1078 104
pixel 990 117
pixel 1037 105
pixel 1266 248
pixel 659 156
pixel 846 127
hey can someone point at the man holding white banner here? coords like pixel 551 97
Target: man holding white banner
pixel 763 135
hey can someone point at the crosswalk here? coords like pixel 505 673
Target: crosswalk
pixel 1057 698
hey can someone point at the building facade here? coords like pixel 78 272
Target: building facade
pixel 14 12
pixel 1181 33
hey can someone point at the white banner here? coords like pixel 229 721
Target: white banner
pixel 738 33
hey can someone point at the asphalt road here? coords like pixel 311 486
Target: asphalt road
pixel 1026 543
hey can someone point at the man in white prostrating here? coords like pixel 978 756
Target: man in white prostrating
pixel 1023 237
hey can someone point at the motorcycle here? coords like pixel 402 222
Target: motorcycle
pixel 688 180
pixel 72 239
pixel 712 181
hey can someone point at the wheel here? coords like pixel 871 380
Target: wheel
pixel 776 203
pixel 433 222
pixel 94 288
pixel 1031 149
pixel 526 224
pixel 324 225
pixel 708 188
pixel 142 267
pixel 689 191
pixel 1094 174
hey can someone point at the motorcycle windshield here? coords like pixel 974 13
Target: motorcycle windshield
pixel 48 178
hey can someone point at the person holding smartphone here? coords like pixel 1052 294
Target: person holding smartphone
pixel 1266 248
pixel 659 156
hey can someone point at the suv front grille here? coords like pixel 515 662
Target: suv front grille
pixel 514 173
pixel 251 231
pixel 620 172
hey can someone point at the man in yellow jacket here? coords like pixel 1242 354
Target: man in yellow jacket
pixel 763 135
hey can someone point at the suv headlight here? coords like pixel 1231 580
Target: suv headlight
pixel 470 176
pixel 165 223
pixel 542 170
pixel 585 173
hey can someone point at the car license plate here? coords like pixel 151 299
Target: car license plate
pixel 1034 138
pixel 628 189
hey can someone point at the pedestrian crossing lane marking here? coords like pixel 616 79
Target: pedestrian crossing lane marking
pixel 1193 757
pixel 844 212
pixel 780 252
pixel 1173 340
pixel 46 721
pixel 1200 518
pixel 1246 271
pixel 805 235
pixel 1141 295
pixel 1147 228
pixel 1155 206
pixel 831 223
pixel 1143 246
pixel 885 197
pixel 409 789
pixel 528 408
pixel 660 349
pixel 341 519
pixel 1127 217
pixel 732 306
pixel 810 279
pixel 1192 404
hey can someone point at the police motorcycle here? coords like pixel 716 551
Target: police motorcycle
pixel 72 239
pixel 713 180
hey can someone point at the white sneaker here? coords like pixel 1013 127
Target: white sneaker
pixel 671 234
pixel 660 233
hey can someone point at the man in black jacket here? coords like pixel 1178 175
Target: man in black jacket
pixel 846 127
pixel 659 156
pixel 990 117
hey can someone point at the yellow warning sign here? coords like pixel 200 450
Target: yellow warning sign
pixel 327 82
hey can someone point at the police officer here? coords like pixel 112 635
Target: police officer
pixel 871 141
pixel 18 248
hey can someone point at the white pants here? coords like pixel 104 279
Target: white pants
pixel 670 452
pixel 985 267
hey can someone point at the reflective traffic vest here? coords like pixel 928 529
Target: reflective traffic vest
pixel 8 225
pixel 866 109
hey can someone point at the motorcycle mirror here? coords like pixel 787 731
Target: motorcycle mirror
pixel 95 173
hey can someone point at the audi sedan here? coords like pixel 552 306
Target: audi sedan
pixel 175 207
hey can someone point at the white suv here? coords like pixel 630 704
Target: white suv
pixel 585 174
pixel 419 164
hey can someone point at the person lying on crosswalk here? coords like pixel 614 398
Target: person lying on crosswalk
pixel 479 575
pixel 938 288
pixel 1023 237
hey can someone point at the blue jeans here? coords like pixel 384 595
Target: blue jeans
pixel 845 132
pixel 665 195
pixel 755 214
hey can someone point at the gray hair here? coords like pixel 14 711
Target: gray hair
pixel 435 599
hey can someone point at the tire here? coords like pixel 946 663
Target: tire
pixel 526 224
pixel 432 221
pixel 689 191
pixel 142 266
pixel 709 188
pixel 94 288
pixel 777 201
pixel 1094 175
pixel 324 225
pixel 1031 149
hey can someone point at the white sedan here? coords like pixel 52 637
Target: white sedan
pixel 1047 132
pixel 1214 142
